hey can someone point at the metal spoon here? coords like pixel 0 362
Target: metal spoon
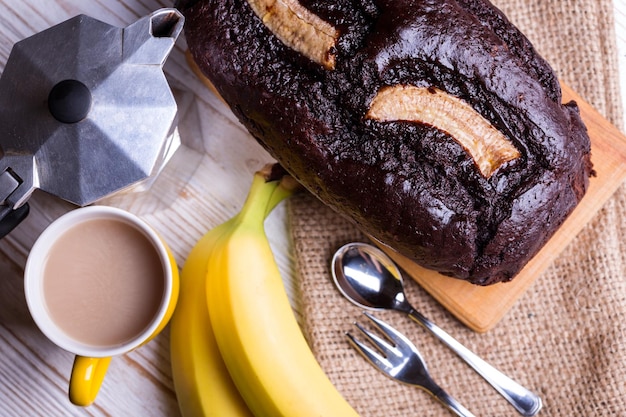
pixel 369 279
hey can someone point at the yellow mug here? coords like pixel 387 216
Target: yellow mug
pixel 99 282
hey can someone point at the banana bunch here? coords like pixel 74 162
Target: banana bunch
pixel 236 347
pixel 201 381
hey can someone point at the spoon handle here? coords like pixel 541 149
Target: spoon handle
pixel 525 401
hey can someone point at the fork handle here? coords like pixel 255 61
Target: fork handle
pixel 525 401
pixel 448 400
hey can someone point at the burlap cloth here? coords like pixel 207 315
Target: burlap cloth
pixel 565 338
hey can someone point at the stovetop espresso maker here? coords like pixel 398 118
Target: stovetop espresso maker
pixel 85 111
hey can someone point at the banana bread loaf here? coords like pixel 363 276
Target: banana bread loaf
pixel 432 124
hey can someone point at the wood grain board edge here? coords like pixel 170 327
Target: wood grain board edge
pixel 482 308
pixel 198 73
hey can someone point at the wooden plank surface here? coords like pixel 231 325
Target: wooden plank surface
pixel 481 308
pixel 204 184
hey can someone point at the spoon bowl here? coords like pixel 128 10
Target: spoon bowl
pixel 367 277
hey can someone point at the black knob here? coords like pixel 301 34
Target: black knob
pixel 69 101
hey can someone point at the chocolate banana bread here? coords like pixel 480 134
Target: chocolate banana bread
pixel 434 125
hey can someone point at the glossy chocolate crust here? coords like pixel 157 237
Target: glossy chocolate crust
pixel 409 185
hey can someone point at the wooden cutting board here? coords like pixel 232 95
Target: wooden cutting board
pixel 481 308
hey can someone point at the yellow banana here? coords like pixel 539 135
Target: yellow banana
pixel 257 333
pixel 202 383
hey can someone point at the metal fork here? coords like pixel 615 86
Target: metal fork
pixel 400 360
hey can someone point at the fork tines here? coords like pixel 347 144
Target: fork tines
pixel 388 350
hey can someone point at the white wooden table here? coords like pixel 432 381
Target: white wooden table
pixel 203 185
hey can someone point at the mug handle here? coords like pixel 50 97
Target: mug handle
pixel 87 376
pixel 88 373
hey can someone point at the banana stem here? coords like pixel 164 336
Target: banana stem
pixel 255 206
pixel 286 188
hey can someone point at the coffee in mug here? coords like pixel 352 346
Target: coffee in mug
pixel 99 282
pixel 103 272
